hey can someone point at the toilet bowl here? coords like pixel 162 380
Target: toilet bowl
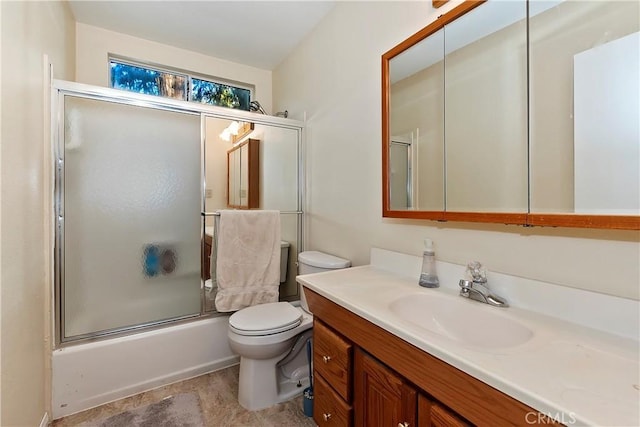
pixel 271 340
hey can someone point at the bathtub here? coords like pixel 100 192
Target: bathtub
pixel 91 374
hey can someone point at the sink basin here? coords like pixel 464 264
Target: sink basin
pixel 461 320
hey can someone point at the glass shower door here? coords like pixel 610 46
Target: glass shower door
pixel 129 209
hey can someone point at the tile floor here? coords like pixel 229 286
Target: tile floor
pixel 218 393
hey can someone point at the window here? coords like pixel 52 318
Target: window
pixel 161 82
pixel 209 92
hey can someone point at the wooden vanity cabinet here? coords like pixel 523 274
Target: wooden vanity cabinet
pixel 332 366
pixel 329 409
pixel 381 396
pixel 432 414
pixel 385 381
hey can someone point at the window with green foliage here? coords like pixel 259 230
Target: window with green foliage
pixel 209 92
pixel 151 81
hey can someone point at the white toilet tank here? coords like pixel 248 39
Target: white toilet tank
pixel 317 262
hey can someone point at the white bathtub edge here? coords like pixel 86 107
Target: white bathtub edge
pixel 94 401
pixel 92 374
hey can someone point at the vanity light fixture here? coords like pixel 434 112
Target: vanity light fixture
pixel 236 131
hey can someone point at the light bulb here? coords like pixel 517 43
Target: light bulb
pixel 234 127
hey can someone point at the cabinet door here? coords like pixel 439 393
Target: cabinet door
pixel 382 398
pixel 432 414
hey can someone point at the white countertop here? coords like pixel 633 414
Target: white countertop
pixel 574 374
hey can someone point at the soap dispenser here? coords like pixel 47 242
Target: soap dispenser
pixel 428 276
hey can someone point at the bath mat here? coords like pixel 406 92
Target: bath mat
pixel 180 410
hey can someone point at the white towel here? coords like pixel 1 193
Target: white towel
pixel 248 258
pixel 212 284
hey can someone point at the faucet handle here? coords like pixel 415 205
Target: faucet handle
pixel 465 284
pixel 476 272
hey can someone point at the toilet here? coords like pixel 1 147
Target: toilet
pixel 271 340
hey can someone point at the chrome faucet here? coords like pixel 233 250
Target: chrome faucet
pixel 477 288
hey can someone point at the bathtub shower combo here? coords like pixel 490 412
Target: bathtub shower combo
pixel 138 180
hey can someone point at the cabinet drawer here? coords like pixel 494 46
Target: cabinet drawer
pixel 332 359
pixel 328 408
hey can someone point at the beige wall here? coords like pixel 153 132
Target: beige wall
pixel 334 75
pixel 93 45
pixel 29 30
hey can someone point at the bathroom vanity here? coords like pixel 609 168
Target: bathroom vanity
pixel 387 352
pixel 363 370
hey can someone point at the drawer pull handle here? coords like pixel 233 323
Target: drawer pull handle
pixel 326 417
pixel 326 359
pixel 404 424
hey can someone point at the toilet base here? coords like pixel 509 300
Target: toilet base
pixel 262 385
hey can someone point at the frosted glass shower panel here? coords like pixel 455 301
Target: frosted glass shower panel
pixel 131 209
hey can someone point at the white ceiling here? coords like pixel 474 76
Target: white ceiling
pixel 256 33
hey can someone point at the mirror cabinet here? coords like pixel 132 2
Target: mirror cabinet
pixel 519 112
pixel 243 168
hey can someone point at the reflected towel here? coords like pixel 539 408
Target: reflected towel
pixel 248 259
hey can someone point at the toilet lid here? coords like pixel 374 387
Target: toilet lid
pixel 265 319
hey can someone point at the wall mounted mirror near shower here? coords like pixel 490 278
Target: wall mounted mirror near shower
pixel 485 122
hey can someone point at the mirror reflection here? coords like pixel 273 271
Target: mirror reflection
pixel 243 175
pixel 416 126
pixel 277 168
pixel 486 109
pixel 483 120
pixel 459 97
pixel 585 114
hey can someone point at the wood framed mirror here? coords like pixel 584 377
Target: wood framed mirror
pixel 484 120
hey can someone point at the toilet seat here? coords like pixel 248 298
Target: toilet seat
pixel 265 319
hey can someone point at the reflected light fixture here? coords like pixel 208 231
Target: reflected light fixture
pixel 236 131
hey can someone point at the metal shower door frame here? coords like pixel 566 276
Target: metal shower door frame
pixel 59 90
